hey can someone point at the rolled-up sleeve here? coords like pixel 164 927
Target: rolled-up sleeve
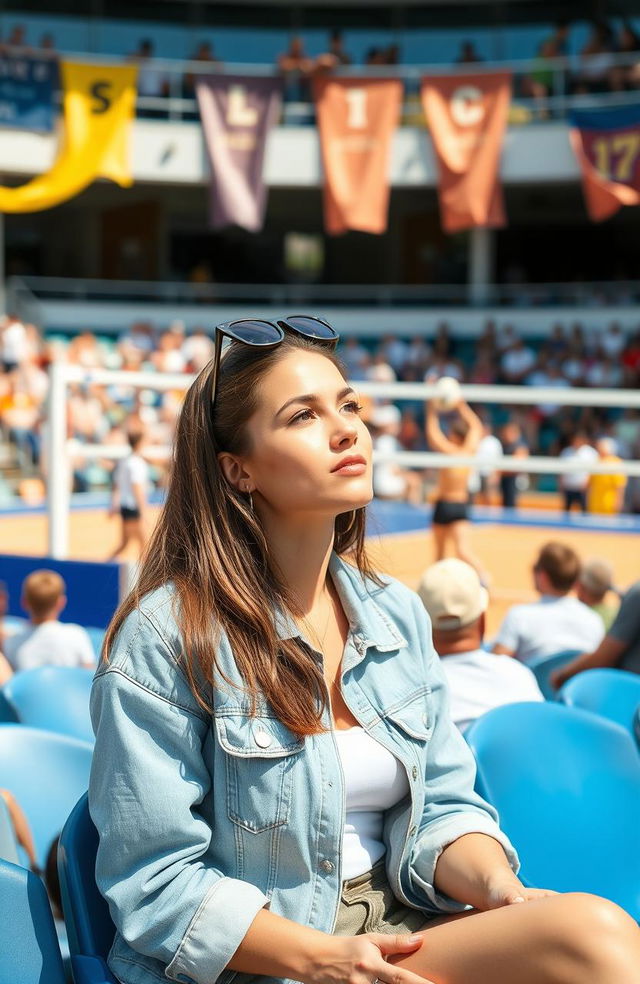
pixel 148 779
pixel 452 808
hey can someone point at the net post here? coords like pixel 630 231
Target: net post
pixel 58 465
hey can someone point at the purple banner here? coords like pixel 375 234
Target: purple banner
pixel 237 114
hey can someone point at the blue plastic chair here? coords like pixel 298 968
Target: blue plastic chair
pixel 47 774
pixel 29 951
pixel 89 927
pixel 55 698
pixel 614 694
pixel 566 784
pixel 543 667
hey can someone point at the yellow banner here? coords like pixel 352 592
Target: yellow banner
pixel 99 105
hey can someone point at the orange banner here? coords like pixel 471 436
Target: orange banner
pixel 467 116
pixel 607 146
pixel 356 120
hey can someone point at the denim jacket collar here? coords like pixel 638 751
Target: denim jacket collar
pixel 370 628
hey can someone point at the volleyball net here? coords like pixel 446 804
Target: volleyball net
pixel 62 450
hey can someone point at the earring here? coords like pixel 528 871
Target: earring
pixel 248 491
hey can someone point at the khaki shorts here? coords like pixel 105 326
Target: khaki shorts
pixel 368 905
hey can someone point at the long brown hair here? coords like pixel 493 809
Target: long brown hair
pixel 209 543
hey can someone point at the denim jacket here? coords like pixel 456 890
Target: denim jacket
pixel 204 818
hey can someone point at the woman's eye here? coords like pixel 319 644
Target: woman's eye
pixel 303 415
pixel 353 407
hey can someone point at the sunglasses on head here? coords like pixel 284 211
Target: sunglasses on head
pixel 268 334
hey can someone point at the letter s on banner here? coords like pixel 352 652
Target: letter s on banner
pixel 101 94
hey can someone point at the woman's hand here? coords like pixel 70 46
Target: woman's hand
pixel 363 960
pixel 506 889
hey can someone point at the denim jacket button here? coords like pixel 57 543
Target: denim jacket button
pixel 262 739
pixel 414 773
pixel 327 866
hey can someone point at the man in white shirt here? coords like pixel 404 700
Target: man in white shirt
pixel 558 621
pixel 46 641
pixel 574 484
pixel 456 601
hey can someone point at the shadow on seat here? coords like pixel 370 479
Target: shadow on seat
pixel 55 698
pixel 566 784
pixel 29 951
pixel 89 927
pixel 543 667
pixel 614 694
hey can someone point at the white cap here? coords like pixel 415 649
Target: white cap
pixel 452 594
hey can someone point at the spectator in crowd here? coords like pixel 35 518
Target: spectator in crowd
pixel 517 362
pixel 605 493
pixel 597 68
pixel 129 495
pixel 204 54
pixel 539 85
pixel 620 647
pixel 468 54
pixel 627 76
pixel 513 445
pixel 560 37
pixel 390 480
pixel 152 83
pixel 296 67
pixel 456 602
pixel 47 641
pixel 558 620
pixel 336 56
pixel 594 584
pixel 574 484
pixel 13 343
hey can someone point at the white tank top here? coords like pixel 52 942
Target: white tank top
pixel 374 782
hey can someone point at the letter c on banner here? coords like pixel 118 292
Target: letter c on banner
pixel 466 105
pixel 239 112
pixel 101 94
pixel 357 108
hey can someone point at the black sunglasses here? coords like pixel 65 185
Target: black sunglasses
pixel 267 334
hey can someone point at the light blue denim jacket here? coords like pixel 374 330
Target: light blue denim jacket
pixel 205 819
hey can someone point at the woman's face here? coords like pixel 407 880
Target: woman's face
pixel 310 453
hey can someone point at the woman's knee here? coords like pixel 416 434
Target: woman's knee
pixel 597 934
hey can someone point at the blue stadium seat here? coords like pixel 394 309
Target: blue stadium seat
pixel 615 694
pixel 566 784
pixel 29 951
pixel 543 666
pixel 47 774
pixel 89 927
pixel 55 698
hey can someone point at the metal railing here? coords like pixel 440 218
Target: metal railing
pixel 27 294
pixel 567 74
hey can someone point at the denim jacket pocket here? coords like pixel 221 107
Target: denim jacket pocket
pixel 260 755
pixel 414 714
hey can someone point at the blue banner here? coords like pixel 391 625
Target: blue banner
pixel 27 85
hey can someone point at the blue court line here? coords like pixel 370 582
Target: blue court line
pixel 386 518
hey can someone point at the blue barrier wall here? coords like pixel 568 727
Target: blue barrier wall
pixel 93 589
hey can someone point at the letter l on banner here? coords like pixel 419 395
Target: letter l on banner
pixel 237 113
pixel 467 116
pixel 356 119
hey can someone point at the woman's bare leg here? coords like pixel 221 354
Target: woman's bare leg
pixel 439 540
pixel 561 939
pixel 461 535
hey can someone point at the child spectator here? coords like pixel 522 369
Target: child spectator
pixel 46 641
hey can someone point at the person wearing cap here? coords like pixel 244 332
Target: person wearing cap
pixel 478 680
pixel 595 581
pixel 390 480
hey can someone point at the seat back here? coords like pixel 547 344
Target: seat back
pixel 29 951
pixel 89 924
pixel 567 787
pixel 615 694
pixel 8 841
pixel 55 698
pixel 543 666
pixel 47 773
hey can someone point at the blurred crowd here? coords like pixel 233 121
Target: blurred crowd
pixel 569 356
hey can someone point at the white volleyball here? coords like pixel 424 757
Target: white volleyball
pixel 447 393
